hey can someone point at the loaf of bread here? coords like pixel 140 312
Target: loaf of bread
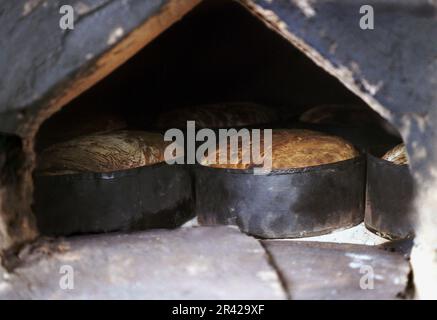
pixel 397 155
pixel 223 115
pixel 103 152
pixel 69 124
pixel 349 115
pixel 295 148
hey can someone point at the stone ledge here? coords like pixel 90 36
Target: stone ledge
pixel 187 263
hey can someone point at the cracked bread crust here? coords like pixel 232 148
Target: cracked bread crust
pixel 223 115
pixel 340 115
pixel 295 148
pixel 104 152
pixel 397 155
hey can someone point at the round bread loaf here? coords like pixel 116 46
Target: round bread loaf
pixel 349 115
pixel 397 155
pixel 223 115
pixel 69 124
pixel 295 148
pixel 103 152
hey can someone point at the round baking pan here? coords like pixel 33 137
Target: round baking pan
pixel 285 203
pixel 155 196
pixel 389 198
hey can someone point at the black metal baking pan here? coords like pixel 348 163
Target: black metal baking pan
pixel 155 196
pixel 285 203
pixel 389 198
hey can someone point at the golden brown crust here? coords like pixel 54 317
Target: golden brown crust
pixel 351 115
pixel 397 155
pixel 104 152
pixel 295 148
pixel 223 115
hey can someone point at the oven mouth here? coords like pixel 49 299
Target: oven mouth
pixel 244 60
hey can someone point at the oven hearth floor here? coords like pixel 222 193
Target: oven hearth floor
pixel 203 263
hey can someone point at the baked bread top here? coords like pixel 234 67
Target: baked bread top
pixel 295 148
pixel 344 115
pixel 397 155
pixel 225 115
pixel 69 124
pixel 103 152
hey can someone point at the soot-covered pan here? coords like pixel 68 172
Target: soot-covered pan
pixel 155 196
pixel 285 203
pixel 389 199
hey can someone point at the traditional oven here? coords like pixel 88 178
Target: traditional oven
pixel 137 58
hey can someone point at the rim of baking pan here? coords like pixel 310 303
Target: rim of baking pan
pixel 322 167
pixel 110 175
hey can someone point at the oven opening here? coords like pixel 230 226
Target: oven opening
pixel 202 60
